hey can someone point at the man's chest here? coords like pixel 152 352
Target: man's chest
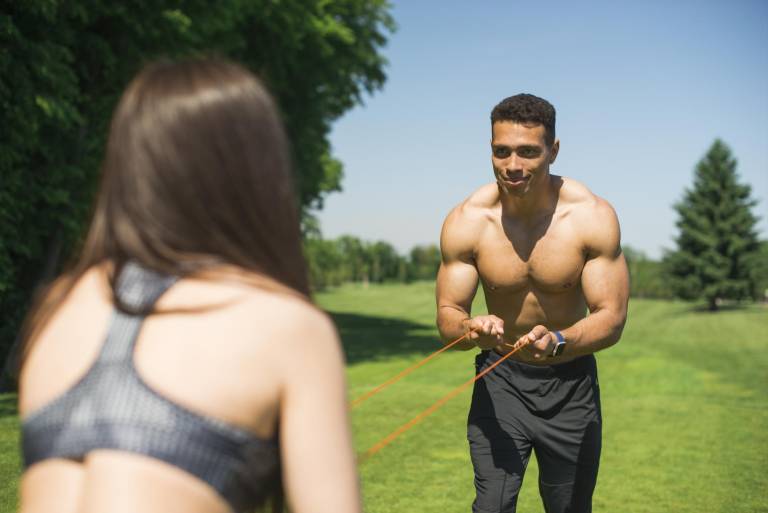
pixel 513 259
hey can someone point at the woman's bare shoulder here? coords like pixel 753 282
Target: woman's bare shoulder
pixel 262 309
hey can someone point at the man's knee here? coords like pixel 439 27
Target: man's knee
pixel 571 497
pixel 499 458
pixel 497 494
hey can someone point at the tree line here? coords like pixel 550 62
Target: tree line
pixel 718 255
pixel 346 259
pixel 350 259
pixel 656 279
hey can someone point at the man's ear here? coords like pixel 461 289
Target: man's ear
pixel 554 151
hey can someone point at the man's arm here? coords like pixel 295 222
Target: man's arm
pixel 605 284
pixel 457 282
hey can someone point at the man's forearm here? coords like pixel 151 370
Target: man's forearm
pixel 599 330
pixel 451 323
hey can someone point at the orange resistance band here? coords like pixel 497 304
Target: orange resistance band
pixel 407 371
pixel 453 393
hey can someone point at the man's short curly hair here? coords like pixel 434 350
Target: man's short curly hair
pixel 527 108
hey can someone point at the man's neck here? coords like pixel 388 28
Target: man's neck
pixel 531 206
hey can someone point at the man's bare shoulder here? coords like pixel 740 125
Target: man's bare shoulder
pixel 466 221
pixel 478 207
pixel 581 200
pixel 592 216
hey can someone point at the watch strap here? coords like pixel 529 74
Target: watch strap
pixel 560 346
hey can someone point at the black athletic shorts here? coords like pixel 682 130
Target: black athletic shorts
pixel 553 410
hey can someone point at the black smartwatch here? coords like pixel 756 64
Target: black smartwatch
pixel 560 346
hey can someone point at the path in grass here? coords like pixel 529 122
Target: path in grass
pixel 684 403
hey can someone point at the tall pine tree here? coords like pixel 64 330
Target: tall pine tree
pixel 717 241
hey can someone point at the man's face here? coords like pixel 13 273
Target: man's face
pixel 520 156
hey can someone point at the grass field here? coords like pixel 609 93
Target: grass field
pixel 685 409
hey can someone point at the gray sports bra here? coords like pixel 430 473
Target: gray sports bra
pixel 111 407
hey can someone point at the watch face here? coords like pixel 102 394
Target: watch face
pixel 558 349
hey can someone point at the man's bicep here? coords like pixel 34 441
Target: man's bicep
pixel 457 278
pixel 605 278
pixel 605 282
pixel 456 285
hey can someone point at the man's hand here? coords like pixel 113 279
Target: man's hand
pixel 541 343
pixel 488 331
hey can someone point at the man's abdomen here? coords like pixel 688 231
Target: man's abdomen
pixel 522 310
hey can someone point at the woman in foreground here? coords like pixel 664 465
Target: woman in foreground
pixel 179 366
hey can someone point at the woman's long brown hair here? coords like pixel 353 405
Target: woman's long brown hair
pixel 196 175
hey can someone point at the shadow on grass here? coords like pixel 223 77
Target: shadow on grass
pixel 372 338
pixel 8 405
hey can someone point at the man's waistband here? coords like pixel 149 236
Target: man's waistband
pixel 579 366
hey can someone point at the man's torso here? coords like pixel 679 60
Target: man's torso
pixel 531 271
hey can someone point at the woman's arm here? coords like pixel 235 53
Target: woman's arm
pixel 319 469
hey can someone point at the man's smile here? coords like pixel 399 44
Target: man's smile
pixel 515 181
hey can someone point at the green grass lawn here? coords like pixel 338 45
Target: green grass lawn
pixel 685 409
pixel 9 453
pixel 685 397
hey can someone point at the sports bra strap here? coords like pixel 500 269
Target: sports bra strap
pixel 138 288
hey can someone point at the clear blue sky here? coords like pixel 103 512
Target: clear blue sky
pixel 641 91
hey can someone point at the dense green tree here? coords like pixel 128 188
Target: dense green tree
pixel 759 272
pixel 717 242
pixel 347 258
pixel 326 263
pixel 357 261
pixel 63 64
pixel 424 262
pixel 385 262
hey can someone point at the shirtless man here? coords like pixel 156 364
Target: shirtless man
pixel 547 251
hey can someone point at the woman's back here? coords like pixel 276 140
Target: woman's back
pixel 246 357
pixel 196 182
